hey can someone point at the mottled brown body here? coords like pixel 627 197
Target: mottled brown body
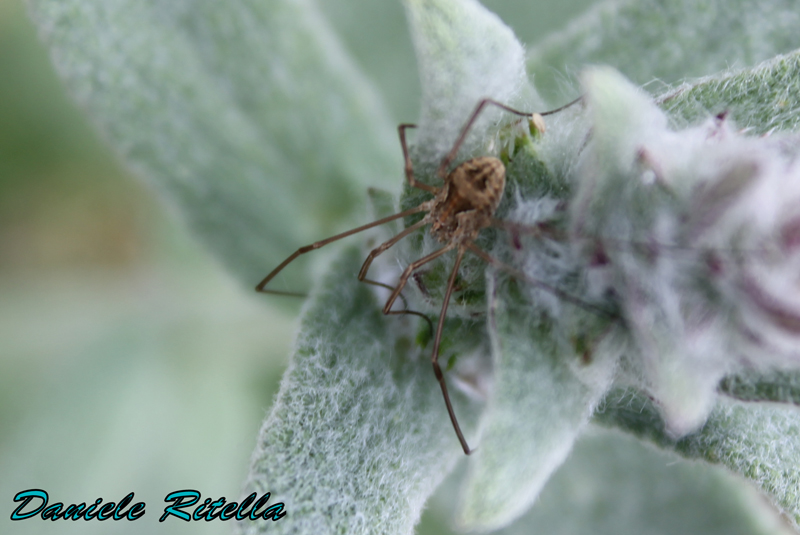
pixel 467 201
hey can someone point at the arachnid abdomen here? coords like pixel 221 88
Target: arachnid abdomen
pixel 468 199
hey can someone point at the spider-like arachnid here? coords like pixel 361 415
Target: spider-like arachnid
pixel 460 208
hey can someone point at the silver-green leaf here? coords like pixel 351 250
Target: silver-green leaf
pixel 615 484
pixel 763 99
pixel 238 112
pixel 667 40
pixel 358 437
pixel 756 441
pixel 777 386
pixel 465 53
pixel 542 396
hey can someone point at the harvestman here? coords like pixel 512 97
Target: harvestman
pixel 463 206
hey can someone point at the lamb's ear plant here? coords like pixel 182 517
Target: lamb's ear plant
pixel 672 223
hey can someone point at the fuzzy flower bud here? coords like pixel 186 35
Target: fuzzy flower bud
pixel 699 231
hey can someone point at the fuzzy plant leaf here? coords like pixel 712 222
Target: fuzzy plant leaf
pixel 613 483
pixel 542 397
pixel 764 99
pixel 756 441
pixel 777 386
pixel 358 437
pixel 667 40
pixel 620 485
pixel 464 53
pixel 238 112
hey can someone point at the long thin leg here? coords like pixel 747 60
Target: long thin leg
pixel 387 287
pixel 437 370
pixel 535 282
pixel 386 245
pixel 409 168
pixel 401 283
pixel 405 309
pixel 564 107
pixel 316 245
pixel 379 250
pixel 442 171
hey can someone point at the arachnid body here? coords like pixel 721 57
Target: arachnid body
pixel 461 207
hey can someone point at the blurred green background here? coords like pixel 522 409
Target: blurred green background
pixel 129 361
